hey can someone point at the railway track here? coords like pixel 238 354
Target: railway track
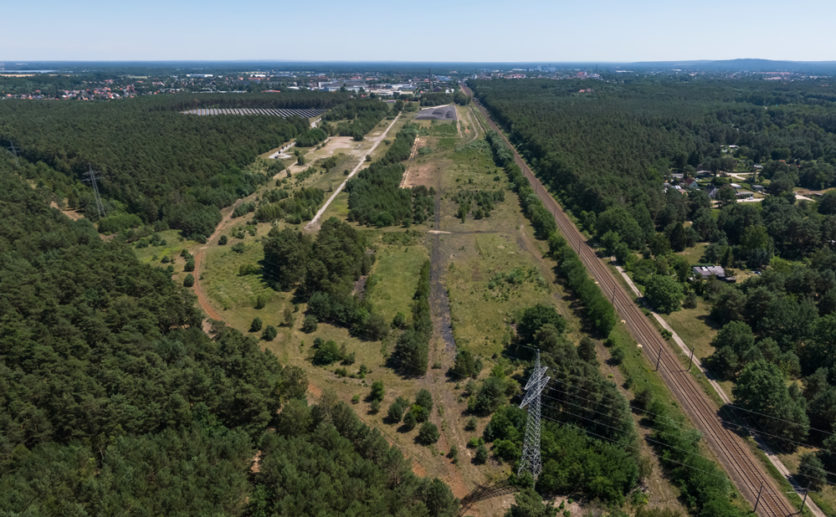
pixel 744 470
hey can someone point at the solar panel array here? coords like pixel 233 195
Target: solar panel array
pixel 270 112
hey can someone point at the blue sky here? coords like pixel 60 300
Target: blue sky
pixel 454 30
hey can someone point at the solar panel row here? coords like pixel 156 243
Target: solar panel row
pixel 270 112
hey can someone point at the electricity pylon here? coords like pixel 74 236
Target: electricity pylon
pixel 530 459
pixel 90 177
pixel 13 150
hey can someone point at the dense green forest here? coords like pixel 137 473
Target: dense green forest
pixel 157 164
pixel 323 272
pixel 614 153
pixel 113 400
pixel 375 196
pixel 354 118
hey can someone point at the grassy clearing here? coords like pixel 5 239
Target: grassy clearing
pixel 824 498
pixel 174 244
pixel 489 279
pixel 693 327
pixel 694 253
pixel 393 279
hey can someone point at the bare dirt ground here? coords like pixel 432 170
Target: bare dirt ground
pixel 72 214
pixel 420 174
pixel 334 144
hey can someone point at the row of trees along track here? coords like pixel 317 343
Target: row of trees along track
pixel 743 468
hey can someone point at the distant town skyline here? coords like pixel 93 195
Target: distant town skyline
pixel 463 31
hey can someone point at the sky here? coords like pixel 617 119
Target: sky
pixel 431 30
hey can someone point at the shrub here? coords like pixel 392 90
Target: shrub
pixel 395 413
pixel 326 353
pixel 269 333
pixel 377 391
pixel 425 400
pixel 188 281
pixel 481 455
pixel 309 324
pixel 409 421
pixel 255 326
pixel 222 240
pixel 428 434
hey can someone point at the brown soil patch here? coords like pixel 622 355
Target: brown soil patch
pixel 423 174
pixel 418 144
pixel 255 468
pixel 314 390
pixel 72 214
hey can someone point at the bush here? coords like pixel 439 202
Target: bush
pixel 425 400
pixel 481 455
pixel 419 412
pixel 377 391
pixel 326 353
pixel 428 434
pixel 409 421
pixel 470 425
pixel 255 326
pixel 811 472
pixel 222 240
pixel 269 333
pixel 309 324
pixel 188 281
pixel 395 413
pixel 260 302
pixel 189 267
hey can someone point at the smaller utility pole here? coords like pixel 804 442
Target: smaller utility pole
pixel 658 358
pixel 758 500
pixel 691 359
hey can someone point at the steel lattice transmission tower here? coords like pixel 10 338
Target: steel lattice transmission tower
pixel 90 177
pixel 530 459
pixel 13 150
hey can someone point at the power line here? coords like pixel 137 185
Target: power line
pixel 530 460
pixel 13 150
pixel 650 413
pixel 738 408
pixel 634 446
pixel 90 177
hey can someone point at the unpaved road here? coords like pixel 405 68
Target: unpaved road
pixel 199 256
pixel 743 468
pixel 313 225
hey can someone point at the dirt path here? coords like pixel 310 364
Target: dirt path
pixel 464 476
pixel 313 225
pixel 745 471
pixel 199 258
